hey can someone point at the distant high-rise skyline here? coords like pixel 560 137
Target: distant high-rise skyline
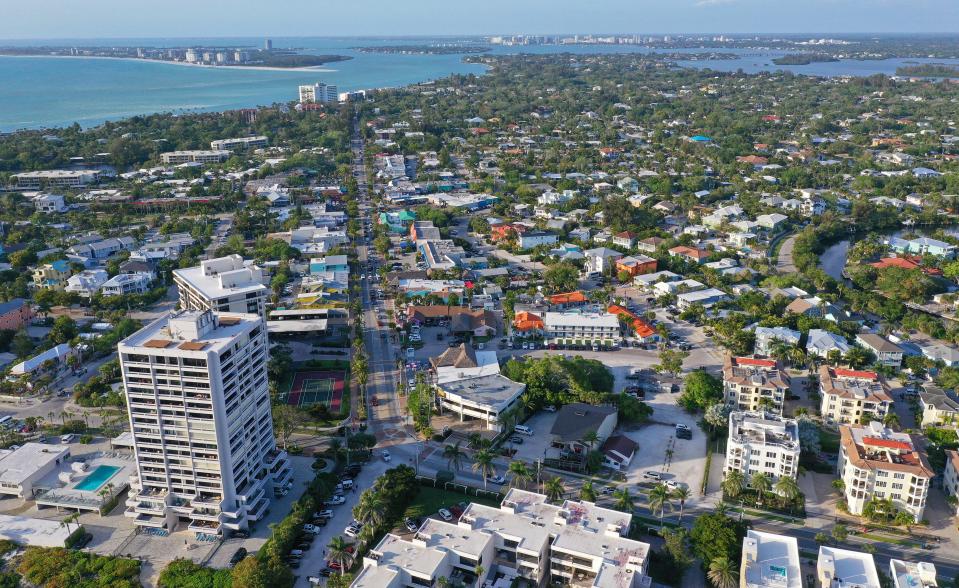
pixel 117 18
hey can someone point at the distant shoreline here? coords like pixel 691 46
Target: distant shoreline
pixel 309 68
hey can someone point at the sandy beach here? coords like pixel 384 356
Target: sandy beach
pixel 311 68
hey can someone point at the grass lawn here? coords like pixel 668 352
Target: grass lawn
pixel 886 539
pixel 429 500
pixel 828 441
pixel 775 517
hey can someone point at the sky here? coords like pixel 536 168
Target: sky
pixel 52 19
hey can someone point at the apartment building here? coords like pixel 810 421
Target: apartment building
pixel 950 477
pixel 762 442
pixel 887 353
pixel 197 156
pixel 876 462
pixel 574 328
pixel 770 561
pixel 849 395
pixel 910 574
pixel 56 178
pixel 839 568
pixel 752 384
pixel 225 284
pixel 239 143
pixel 199 409
pixel 319 92
pixel 525 539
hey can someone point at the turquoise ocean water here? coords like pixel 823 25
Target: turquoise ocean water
pixel 38 92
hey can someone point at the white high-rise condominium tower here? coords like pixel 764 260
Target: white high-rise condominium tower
pixel 318 92
pixel 224 284
pixel 199 407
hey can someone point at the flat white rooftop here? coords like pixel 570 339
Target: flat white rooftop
pixel 771 561
pixel 165 334
pixel 27 531
pixel 18 465
pixel 853 568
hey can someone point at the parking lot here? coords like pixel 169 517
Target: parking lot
pixel 534 446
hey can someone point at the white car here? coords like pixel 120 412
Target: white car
pixel 498 480
pixel 445 514
pixel 387 457
pixel 337 499
pixel 673 484
pixel 352 531
pixel 312 529
pixel 682 427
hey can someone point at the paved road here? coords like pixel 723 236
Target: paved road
pixel 784 262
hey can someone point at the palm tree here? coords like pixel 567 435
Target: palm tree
pixel 338 552
pixel 624 501
pixel 453 456
pixel 554 490
pixel 586 492
pixel 760 483
pixel 787 488
pixel 370 509
pixel 590 439
pixel 483 463
pixel 682 494
pixel 519 473
pixel 733 483
pixel 723 573
pixel 659 500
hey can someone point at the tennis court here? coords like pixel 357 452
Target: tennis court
pixel 317 387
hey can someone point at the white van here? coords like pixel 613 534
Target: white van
pixel 523 429
pixel 68 438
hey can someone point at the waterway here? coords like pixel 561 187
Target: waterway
pixel 40 92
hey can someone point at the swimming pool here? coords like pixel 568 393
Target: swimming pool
pixel 97 478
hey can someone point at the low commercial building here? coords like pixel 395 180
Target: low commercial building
pixel 481 398
pixel 38 363
pixel 908 574
pixel 577 420
pixel 57 178
pixel 876 462
pixel 940 407
pixel 573 328
pixel 848 395
pixel 838 568
pixel 525 539
pixel 22 468
pixel 225 284
pixel 706 298
pixel 770 561
pixel 752 384
pixel 240 143
pixel 197 156
pixel 761 442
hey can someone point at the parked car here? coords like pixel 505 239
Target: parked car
pixel 516 439
pixel 311 529
pixel 386 456
pixel 238 556
pixel 323 514
pixel 445 514
pixel 498 480
pixel 651 475
pixel 410 525
pixel 337 499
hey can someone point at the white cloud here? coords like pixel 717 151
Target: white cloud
pixel 713 2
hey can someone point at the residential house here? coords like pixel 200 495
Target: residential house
pixel 87 283
pixel 635 265
pixel 600 260
pixel 887 353
pixel 125 284
pixel 52 275
pixel 15 314
pixel 532 239
pixel 940 407
pixel 618 452
pixel 626 239
pixel 768 337
pixel 690 254
pixel 819 343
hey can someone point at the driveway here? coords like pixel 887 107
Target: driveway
pixel 534 446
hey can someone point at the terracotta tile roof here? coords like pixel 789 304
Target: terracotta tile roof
pixel 526 321
pixel 568 298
